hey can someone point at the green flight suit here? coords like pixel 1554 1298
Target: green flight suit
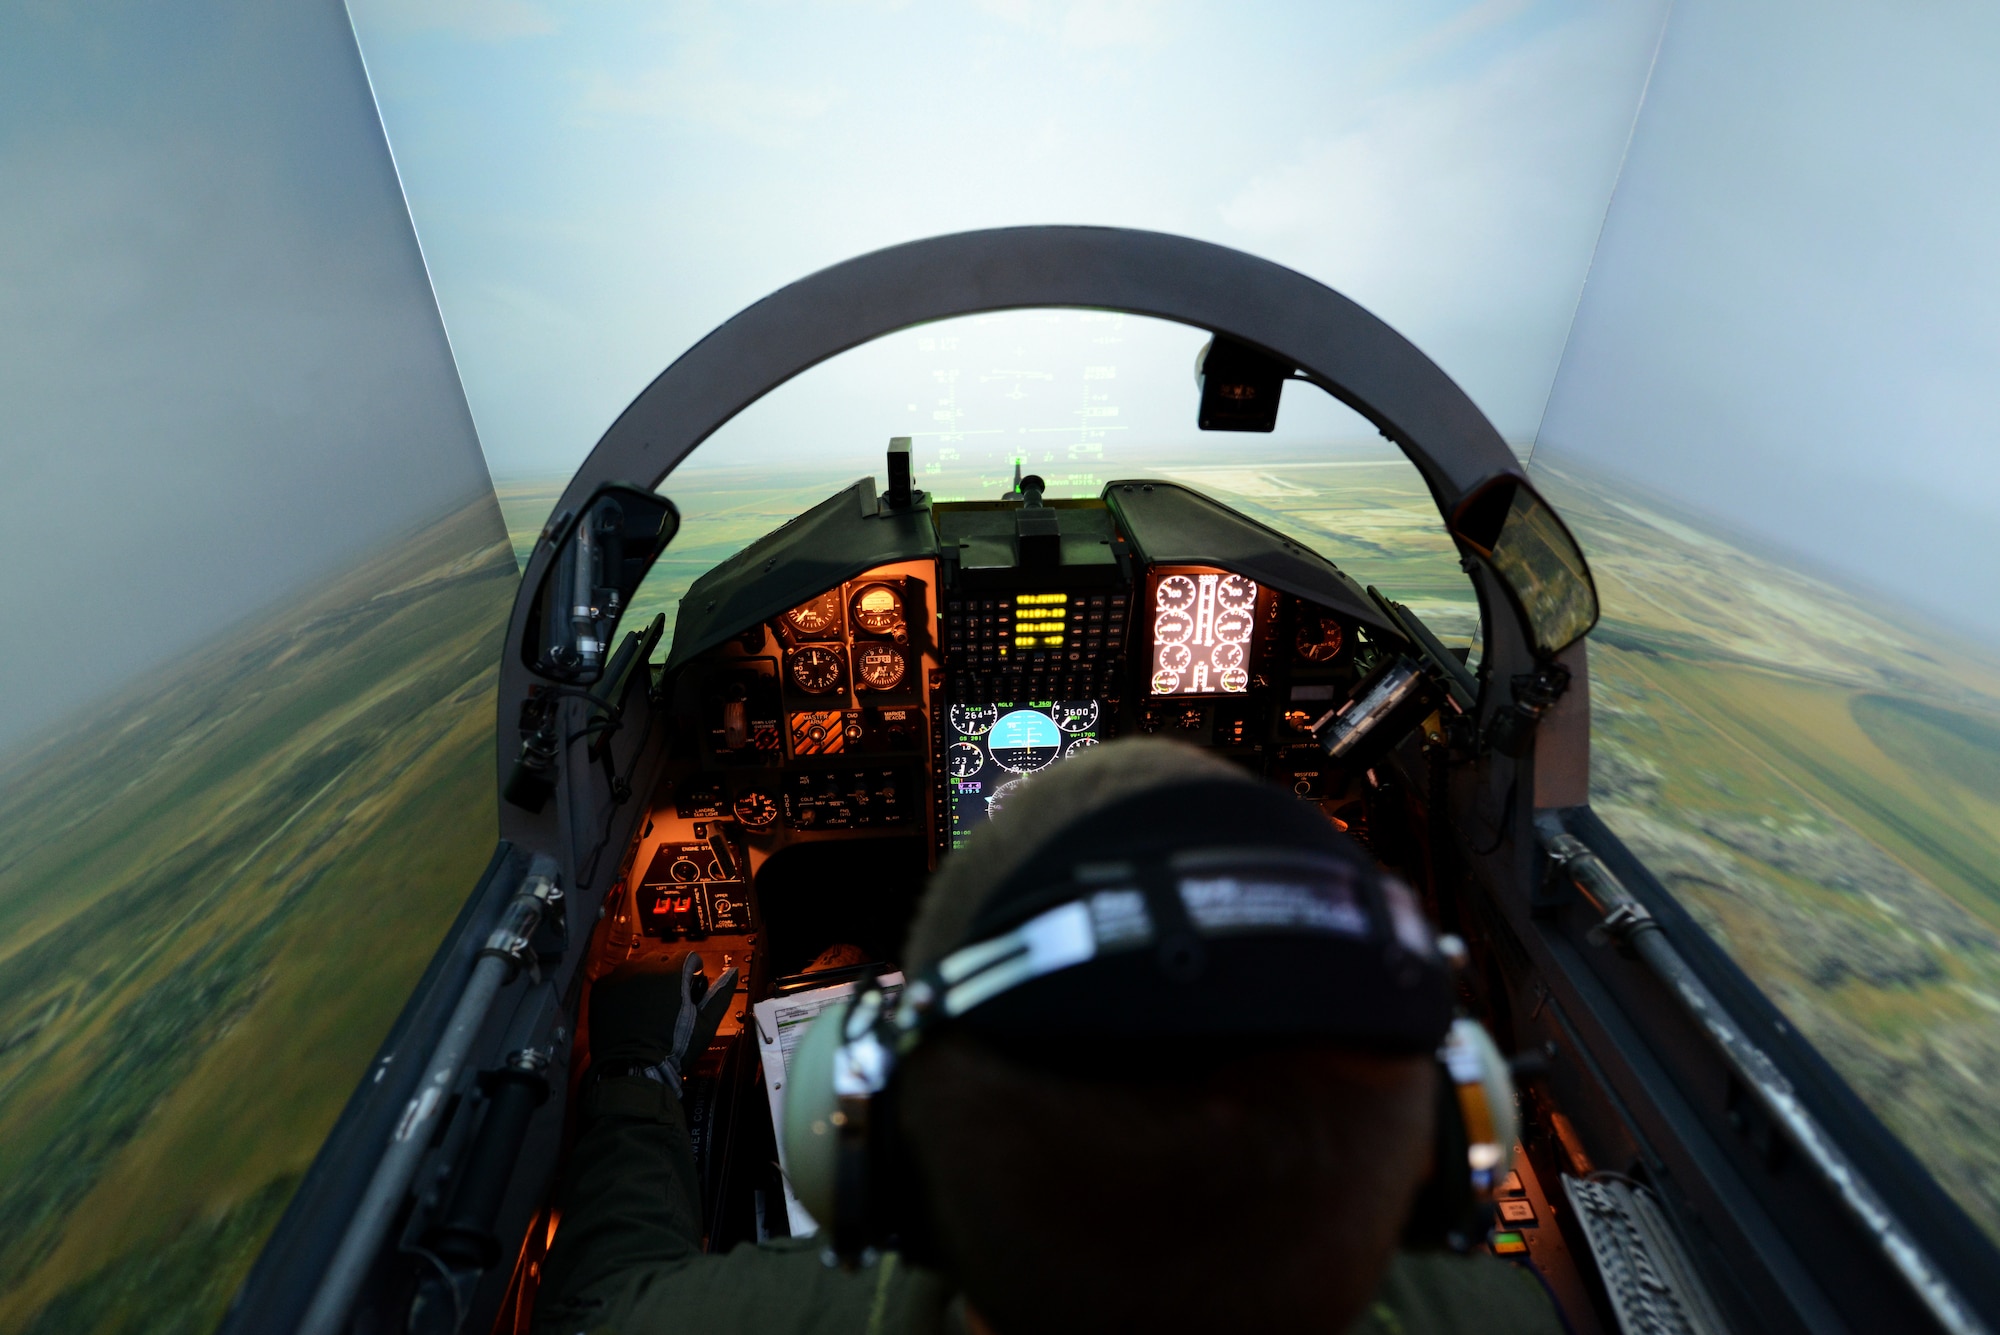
pixel 627 1258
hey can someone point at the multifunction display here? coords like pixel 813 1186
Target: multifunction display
pixel 993 749
pixel 1204 625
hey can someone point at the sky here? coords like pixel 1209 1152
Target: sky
pixel 598 186
pixel 1743 256
pixel 1761 283
pixel 222 371
pixel 1793 321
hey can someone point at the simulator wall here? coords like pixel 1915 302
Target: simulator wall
pixel 256 579
pixel 1773 430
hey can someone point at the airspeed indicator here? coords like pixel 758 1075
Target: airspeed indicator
pixel 971 720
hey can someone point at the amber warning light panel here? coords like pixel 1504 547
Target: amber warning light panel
pixel 1040 620
pixel 1204 624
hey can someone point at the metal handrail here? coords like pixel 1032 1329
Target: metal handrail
pixel 506 952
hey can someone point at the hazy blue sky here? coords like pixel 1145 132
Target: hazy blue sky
pixel 1794 319
pixel 1791 323
pixel 221 369
pixel 598 186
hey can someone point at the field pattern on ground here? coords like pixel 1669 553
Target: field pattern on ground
pixel 215 894
pixel 1816 777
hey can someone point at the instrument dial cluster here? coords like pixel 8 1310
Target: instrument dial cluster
pixel 830 691
pixel 1216 658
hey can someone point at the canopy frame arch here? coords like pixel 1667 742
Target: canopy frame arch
pixel 1332 342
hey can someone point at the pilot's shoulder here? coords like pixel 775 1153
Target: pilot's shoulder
pixel 1436 1293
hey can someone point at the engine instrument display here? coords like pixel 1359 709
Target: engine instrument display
pixel 1204 623
pixel 815 669
pixel 995 749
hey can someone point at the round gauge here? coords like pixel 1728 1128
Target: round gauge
pixel 1172 627
pixel 1226 655
pixel 1075 715
pixel 878 610
pixel 971 720
pixel 684 870
pixel 1077 744
pixel 1233 627
pixel 1234 591
pixel 1319 638
pixel 755 809
pixel 816 617
pixel 815 669
pixel 1024 741
pixel 1175 592
pixel 964 760
pixel 1175 658
pixel 1166 682
pixel 1235 680
pixel 998 797
pixel 879 666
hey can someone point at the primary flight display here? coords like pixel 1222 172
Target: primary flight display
pixel 996 748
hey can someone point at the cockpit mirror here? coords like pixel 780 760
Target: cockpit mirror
pixel 1525 543
pixel 1240 386
pixel 601 556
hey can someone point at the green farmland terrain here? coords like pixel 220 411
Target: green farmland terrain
pixel 215 895
pixel 1814 774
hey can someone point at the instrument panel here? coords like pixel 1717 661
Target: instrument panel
pixel 912 701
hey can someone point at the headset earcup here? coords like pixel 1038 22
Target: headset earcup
pixel 1496 1082
pixel 812 1140
pixel 1444 1202
pixel 1478 1122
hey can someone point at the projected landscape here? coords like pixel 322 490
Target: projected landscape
pixel 1817 779
pixel 215 894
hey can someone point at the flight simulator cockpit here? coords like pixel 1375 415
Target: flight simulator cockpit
pixel 846 698
pixel 852 694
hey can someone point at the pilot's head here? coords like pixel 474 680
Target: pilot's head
pixel 1104 1152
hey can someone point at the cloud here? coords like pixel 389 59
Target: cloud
pixel 703 83
pixel 481 20
pixel 1473 21
pixel 1463 211
pixel 1086 25
pixel 767 114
